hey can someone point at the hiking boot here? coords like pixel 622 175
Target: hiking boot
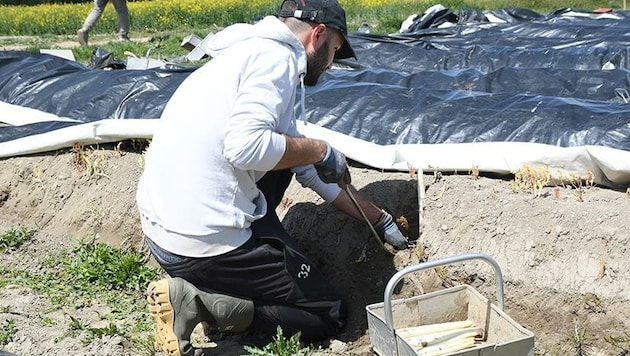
pixel 83 37
pixel 177 307
pixel 122 38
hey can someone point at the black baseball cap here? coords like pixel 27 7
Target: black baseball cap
pixel 327 12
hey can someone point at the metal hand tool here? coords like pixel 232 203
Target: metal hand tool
pixel 347 188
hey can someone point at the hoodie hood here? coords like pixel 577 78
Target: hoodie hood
pixel 269 27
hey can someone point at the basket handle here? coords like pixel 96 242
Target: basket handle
pixel 389 289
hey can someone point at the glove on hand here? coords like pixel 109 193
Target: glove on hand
pixel 388 231
pixel 333 168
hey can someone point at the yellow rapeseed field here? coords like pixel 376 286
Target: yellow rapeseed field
pixel 161 15
pixel 66 19
pixel 150 15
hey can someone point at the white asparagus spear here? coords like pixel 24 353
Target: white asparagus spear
pixel 433 328
pixel 436 338
pixel 457 344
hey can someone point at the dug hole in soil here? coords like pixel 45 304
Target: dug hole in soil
pixel 563 253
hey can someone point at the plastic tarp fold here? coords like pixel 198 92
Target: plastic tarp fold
pixel 489 90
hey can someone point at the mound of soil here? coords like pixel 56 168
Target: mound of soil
pixel 563 253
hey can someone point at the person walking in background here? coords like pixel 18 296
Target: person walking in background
pixel 95 15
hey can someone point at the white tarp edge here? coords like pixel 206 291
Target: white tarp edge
pixel 109 130
pixel 89 133
pixel 607 165
pixel 16 115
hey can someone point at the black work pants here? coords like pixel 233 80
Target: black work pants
pixel 286 287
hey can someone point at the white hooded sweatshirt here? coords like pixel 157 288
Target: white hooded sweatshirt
pixel 220 132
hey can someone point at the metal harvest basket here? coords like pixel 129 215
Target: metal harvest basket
pixel 400 327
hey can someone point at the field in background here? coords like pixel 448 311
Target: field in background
pixel 384 16
pixel 162 24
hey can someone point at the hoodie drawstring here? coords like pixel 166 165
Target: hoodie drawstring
pixel 302 96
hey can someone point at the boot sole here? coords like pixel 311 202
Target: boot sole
pixel 162 312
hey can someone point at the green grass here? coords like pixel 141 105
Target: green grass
pixel 280 346
pixel 14 238
pixel 622 342
pixel 7 330
pixel 98 265
pixel 94 272
pixel 91 273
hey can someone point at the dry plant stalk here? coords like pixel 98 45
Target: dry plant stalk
pixel 589 178
pixel 580 192
pixel 571 179
pixel 580 195
pixel 535 179
pixel 437 175
pixel 363 256
pixel 87 161
pixel 530 178
pixel 442 273
pixel 602 268
pixel 475 172
pixel 556 193
pixel 78 156
pixel 439 195
pixel 412 171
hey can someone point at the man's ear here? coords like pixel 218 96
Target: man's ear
pixel 318 35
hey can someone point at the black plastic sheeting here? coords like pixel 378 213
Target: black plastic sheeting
pixel 533 78
pixel 72 90
pixel 560 79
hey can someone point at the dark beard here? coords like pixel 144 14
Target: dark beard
pixel 316 64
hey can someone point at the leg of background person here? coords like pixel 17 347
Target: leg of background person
pixel 90 21
pixel 123 18
pixel 94 15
